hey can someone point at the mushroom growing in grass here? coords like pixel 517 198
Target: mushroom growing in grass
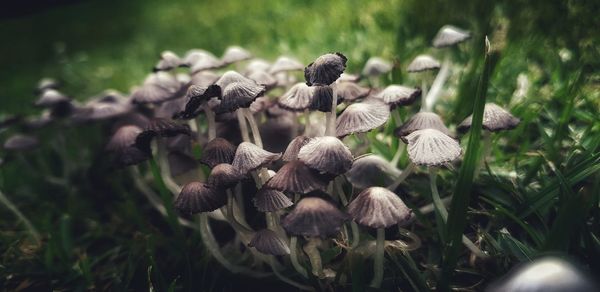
pixel 375 67
pixel 249 157
pixel 168 61
pixel 157 88
pixel 20 142
pixel 362 117
pixel 313 218
pixel 325 70
pixel 350 91
pixel 217 151
pixel 424 64
pixel 271 200
pixel 282 67
pixel 378 208
pixel 235 54
pixel 326 154
pixel 124 145
pixel 298 98
pixel 371 170
pixel 296 177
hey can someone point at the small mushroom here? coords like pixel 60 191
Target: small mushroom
pixel 291 152
pixel 284 64
pixel 20 142
pixel 249 157
pixel 157 88
pixel 124 137
pixel 217 151
pixel 168 61
pixel 235 54
pixel 450 35
pixel 431 147
pixel 325 70
pixel 224 176
pixel 350 91
pixel 258 65
pixel 271 200
pixel 362 117
pixel 423 63
pixel 398 95
pixel 297 98
pixel 267 242
pixel 376 66
pixel 296 177
pixel 51 98
pixel 263 78
pixel 495 119
pixel 326 154
pixel 420 121
pixel 196 197
pixel 371 170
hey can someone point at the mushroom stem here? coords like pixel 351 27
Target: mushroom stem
pixel 423 89
pixel 306 121
pixel 353 226
pixel 436 88
pixel 275 268
pixel 253 127
pixel 487 150
pixel 244 231
pixel 440 208
pixel 213 248
pixel 294 257
pixel 243 125
pixel 379 257
pixel 397 118
pixel 212 126
pixel 165 171
pixel 405 173
pixel 331 116
pixel 166 198
pixel 398 154
pixel 314 256
pixel 32 231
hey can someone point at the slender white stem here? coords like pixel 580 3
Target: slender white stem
pixel 13 208
pixel 253 127
pixel 353 226
pixel 398 154
pixel 405 173
pixel 165 170
pixel 331 117
pixel 212 125
pixel 379 257
pixel 485 153
pixel 294 257
pixel 436 88
pixel 314 256
pixel 243 125
pixel 396 117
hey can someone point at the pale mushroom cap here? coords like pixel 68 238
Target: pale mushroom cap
pixel 168 60
pixel 450 35
pixel 347 77
pixel 124 137
pixel 285 63
pixel 296 177
pixel 267 242
pixel 204 78
pixel 271 200
pixel 350 91
pixel 362 117
pixel 495 119
pixel 314 217
pixel 378 207
pixel 230 77
pixel 263 78
pixel 398 95
pixel 376 66
pixel 200 62
pixel 297 98
pixel 194 55
pixel 326 154
pixel 420 121
pixel 371 170
pixel 257 65
pixel 51 97
pixel 423 63
pixel 431 147
pixel 47 83
pixel 325 70
pixel 235 54
pixel 249 157
pixel 239 95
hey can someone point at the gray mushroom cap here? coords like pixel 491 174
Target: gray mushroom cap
pixel 423 63
pixel 125 136
pixel 217 151
pixel 235 54
pixel 376 66
pixel 263 78
pixel 257 65
pixel 325 70
pixel 296 177
pixel 297 98
pixel 314 217
pixel 224 176
pixel 397 95
pixel 158 87
pixel 249 157
pixel 50 97
pixel 268 242
pixel 326 154
pixel 420 121
pixel 371 170
pixel 271 200
pixel 430 147
pixel 350 91
pixel 291 152
pixel 495 119
pixel 284 64
pixel 168 61
pixel 378 207
pixel 196 197
pixel 450 35
pixel 362 117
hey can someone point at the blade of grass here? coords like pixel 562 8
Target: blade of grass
pixel 457 219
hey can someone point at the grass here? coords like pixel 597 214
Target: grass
pixel 539 193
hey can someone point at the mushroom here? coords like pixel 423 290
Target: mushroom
pixel 168 61
pixel 298 98
pixel 267 242
pixel 425 64
pixel 257 65
pixel 450 35
pixel 326 154
pixel 398 95
pixel 263 78
pixel 291 152
pixel 46 83
pixel 235 54
pixel 296 177
pixel 420 121
pixel 362 117
pixel 378 208
pixel 371 170
pixel 376 67
pixel 20 142
pixel 350 91
pixel 157 88
pixel 250 157
pixel 224 176
pixel 271 200
pixel 217 151
pixel 196 197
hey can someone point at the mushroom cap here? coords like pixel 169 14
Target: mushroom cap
pixel 322 98
pixel 217 151
pixel 267 242
pixel 235 54
pixel 204 78
pixel 224 176
pixel 125 136
pixel 420 121
pixel 197 95
pixel 263 78
pixel 314 216
pixel 423 63
pixel 378 207
pixel 350 91
pixel 297 98
pixel 362 117
pixel 239 95
pixel 196 197
pixel 195 55
pixel 291 152
pixel 326 154
pixel 285 63
pixel 230 77
pixel 158 87
pixel 450 35
pixel 131 155
pixel 51 97
pixel 550 274
pixel 347 77
pixel 371 170
pixel 325 70
pixel 257 65
pixel 158 127
pixel 180 163
pixel 249 157
pixel 20 142
pixel 168 61
pixel 397 95
pixel 271 200
pixel 431 147
pixel 495 119
pixel 376 66
pixel 203 61
pixel 296 177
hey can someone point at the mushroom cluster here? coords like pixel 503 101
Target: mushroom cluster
pixel 218 138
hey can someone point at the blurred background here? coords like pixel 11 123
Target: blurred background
pixel 94 239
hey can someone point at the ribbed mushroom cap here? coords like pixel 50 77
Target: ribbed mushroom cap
pixel 326 154
pixel 263 78
pixel 50 98
pixel 296 177
pixel 257 65
pixel 431 147
pixel 20 142
pixel 349 91
pixel 158 87
pixel 267 242
pixel 397 95
pixel 297 98
pixel 224 176
pixel 193 55
pixel 362 117
pixel 196 96
pixel 230 77
pixel 203 62
pixel 548 274
pixel 217 151
pixel 376 66
pixel 46 83
pixel 168 61
pixel 125 136
pixel 180 163
pixel 285 63
pixel 450 35
pixel 196 197
pixel 322 98
pixel 249 157
pixel 239 95
pixel 291 152
pixel 423 63
pixel 371 170
pixel 325 70
pixel 347 77
pixel 235 54
pixel 160 128
pixel 378 207
pixel 271 200
pixel 314 216
pixel 495 119
pixel 420 121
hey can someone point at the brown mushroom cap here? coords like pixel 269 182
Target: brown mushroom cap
pixel 267 242
pixel 217 151
pixel 296 177
pixel 224 176
pixel 326 154
pixel 371 170
pixel 271 200
pixel 249 157
pixel 376 66
pixel 431 147
pixel 125 136
pixel 495 119
pixel 291 152
pixel 314 216
pixel 378 207
pixel 196 197
pixel 325 70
